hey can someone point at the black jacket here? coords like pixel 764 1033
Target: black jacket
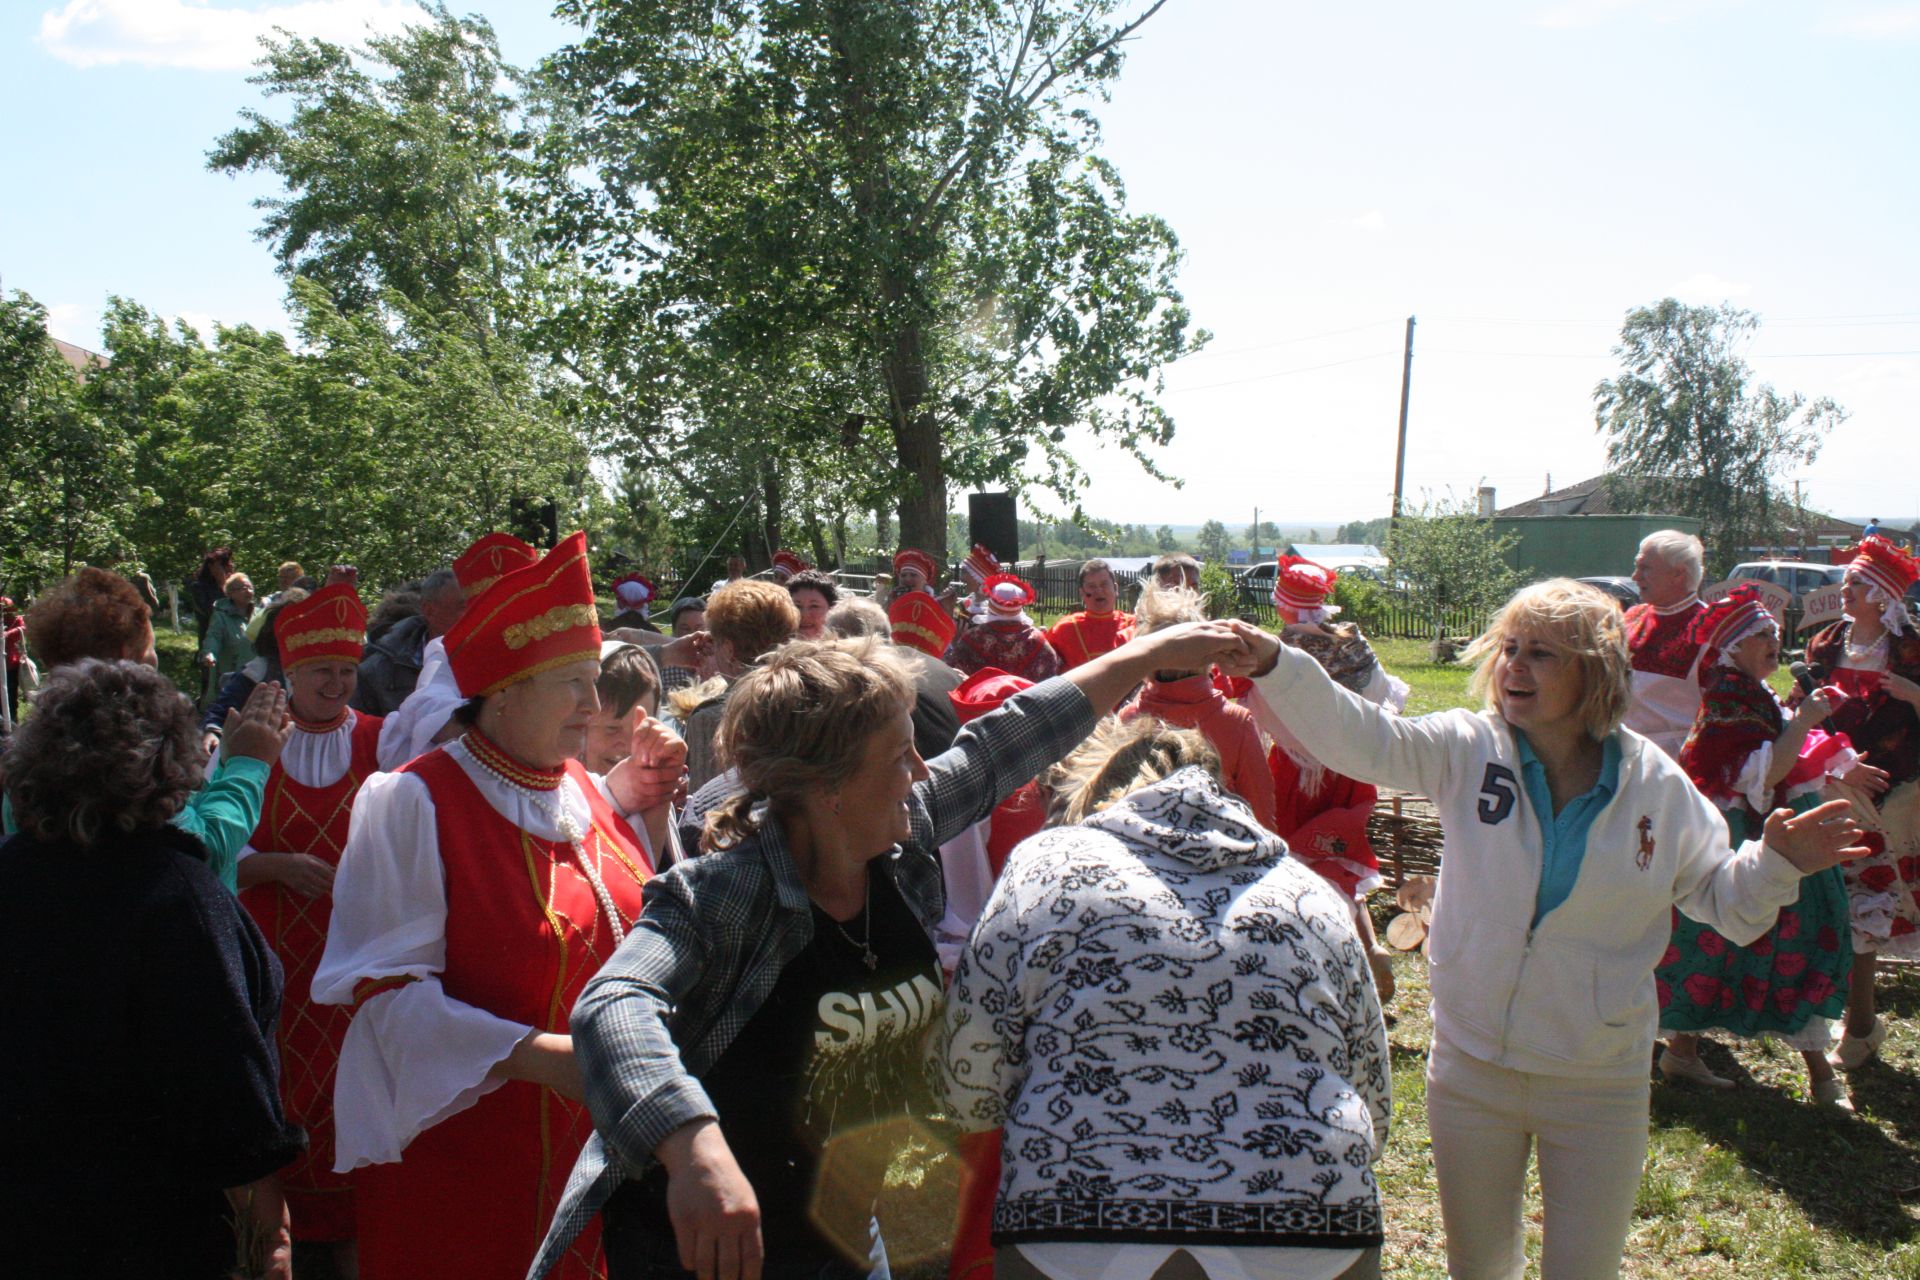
pixel 391 668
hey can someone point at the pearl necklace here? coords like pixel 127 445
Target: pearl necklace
pixel 563 821
pixel 1866 652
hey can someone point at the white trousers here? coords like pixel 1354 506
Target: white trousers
pixel 1592 1141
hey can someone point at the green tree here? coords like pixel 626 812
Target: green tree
pixel 1365 532
pixel 1687 434
pixel 874 239
pixel 1163 539
pixel 65 486
pixel 1452 562
pixel 1212 544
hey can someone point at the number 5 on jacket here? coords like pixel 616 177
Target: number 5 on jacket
pixel 1499 792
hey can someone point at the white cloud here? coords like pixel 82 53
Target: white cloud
pixel 201 36
pixel 74 322
pixel 1371 220
pixel 1705 287
pixel 201 322
pixel 1876 22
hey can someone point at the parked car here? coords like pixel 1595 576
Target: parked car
pixel 1796 577
pixel 1622 589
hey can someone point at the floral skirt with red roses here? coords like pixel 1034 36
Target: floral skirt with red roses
pixel 1788 982
pixel 1884 886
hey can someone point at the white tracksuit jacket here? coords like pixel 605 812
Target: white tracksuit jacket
pixel 1573 996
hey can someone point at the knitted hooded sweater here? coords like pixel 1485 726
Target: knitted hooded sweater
pixel 1173 1022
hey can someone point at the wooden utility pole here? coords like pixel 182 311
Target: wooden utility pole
pixel 1400 453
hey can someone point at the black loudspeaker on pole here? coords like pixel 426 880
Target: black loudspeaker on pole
pixel 992 523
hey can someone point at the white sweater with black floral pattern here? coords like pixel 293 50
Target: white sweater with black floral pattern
pixel 1174 1024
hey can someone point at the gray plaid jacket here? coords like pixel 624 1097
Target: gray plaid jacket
pixel 718 929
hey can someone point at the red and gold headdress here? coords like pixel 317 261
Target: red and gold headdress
pixel 787 563
pixel 984 691
pixel 912 558
pixel 979 565
pixel 921 622
pixel 490 558
pixel 531 620
pixel 329 625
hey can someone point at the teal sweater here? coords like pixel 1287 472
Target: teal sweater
pixel 221 815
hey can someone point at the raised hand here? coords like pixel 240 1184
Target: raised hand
pixel 1817 839
pixel 259 728
pixel 689 651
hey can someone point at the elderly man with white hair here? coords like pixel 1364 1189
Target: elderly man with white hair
pixel 1664 655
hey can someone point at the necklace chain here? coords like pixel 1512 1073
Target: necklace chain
pixel 569 830
pixel 865 941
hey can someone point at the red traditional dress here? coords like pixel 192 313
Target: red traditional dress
pixel 1666 660
pixel 970 863
pixel 309 798
pixel 1321 814
pixel 476 898
pixel 1081 637
pixel 1195 703
pixel 1007 639
pixel 1792 980
pixel 1884 886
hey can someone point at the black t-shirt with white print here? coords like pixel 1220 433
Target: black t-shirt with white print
pixel 838 1049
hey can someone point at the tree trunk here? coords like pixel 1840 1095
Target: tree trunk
pixel 916 439
pixel 882 529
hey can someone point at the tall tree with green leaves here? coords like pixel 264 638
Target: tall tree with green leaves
pixel 66 484
pixel 876 240
pixel 1213 542
pixel 1687 434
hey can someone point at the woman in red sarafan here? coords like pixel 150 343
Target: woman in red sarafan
pixel 1748 758
pixel 481 886
pixel 286 881
pixel 1322 814
pixel 1873 656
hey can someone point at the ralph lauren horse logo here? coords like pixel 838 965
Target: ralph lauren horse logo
pixel 1645 859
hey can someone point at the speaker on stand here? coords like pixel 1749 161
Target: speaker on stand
pixel 993 524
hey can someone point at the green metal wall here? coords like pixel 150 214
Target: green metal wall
pixel 1581 546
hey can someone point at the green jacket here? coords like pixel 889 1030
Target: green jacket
pixel 221 815
pixel 226 641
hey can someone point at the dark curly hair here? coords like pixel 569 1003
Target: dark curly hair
pixel 815 580
pixel 110 749
pixel 93 614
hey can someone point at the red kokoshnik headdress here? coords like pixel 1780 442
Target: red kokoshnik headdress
pixel 329 625
pixel 490 557
pixel 531 620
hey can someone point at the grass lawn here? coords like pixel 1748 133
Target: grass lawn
pixel 1748 1183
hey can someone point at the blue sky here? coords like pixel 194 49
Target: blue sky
pixel 1516 175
